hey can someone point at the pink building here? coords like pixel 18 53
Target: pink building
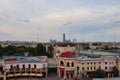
pixel 66 65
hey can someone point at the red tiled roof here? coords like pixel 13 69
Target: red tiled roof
pixel 67 53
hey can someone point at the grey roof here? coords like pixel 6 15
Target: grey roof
pixel 94 52
pixel 30 59
pixel 88 59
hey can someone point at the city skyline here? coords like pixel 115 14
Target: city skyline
pixel 84 20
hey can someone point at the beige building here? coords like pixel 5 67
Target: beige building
pixel 118 65
pixel 62 47
pixel 86 66
pixel 71 66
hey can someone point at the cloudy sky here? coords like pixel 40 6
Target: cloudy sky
pixel 84 20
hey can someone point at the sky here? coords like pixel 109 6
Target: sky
pixel 83 20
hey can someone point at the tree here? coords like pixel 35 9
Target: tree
pixel 99 73
pixel 115 71
pixel 40 50
pixel 21 50
pixel 10 50
pixel 50 51
pixel 31 51
pixel 1 51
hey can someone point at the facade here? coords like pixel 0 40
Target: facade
pixel 71 66
pixel 62 47
pixel 66 65
pixel 87 66
pixel 118 65
pixel 17 66
pixel 64 40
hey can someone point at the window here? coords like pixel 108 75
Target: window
pixel 83 68
pixel 106 68
pixel 17 66
pixel 68 64
pixel 61 63
pixel 99 62
pixel 87 68
pixel 23 66
pixel 99 67
pixel 91 68
pixel 77 68
pixel 94 68
pixel 29 66
pixel 72 64
pixel 105 62
pixel 94 63
pixel 11 66
pixel 88 63
pixel 82 63
pixel 34 66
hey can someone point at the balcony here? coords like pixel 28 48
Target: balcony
pixel 69 68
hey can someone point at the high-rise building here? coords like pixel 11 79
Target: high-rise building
pixel 64 38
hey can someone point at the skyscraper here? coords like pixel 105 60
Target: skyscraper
pixel 63 37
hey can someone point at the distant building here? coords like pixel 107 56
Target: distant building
pixel 74 40
pixel 53 41
pixel 64 40
pixel 62 47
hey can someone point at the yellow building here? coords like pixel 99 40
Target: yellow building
pixel 86 66
pixel 118 65
pixel 78 47
pixel 75 66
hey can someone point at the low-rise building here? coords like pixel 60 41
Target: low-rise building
pixel 62 47
pixel 17 66
pixel 66 65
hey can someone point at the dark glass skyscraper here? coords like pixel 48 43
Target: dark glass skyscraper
pixel 63 37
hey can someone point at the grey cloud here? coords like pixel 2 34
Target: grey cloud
pixel 23 20
pixel 4 16
pixel 70 22
pixel 117 22
pixel 5 34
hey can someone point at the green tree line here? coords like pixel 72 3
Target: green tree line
pixel 40 50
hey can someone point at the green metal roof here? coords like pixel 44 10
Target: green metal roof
pixel 95 52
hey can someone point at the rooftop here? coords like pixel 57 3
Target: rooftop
pixel 24 59
pixel 95 52
pixel 88 59
pixel 67 54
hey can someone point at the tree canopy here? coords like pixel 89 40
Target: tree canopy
pixel 99 73
pixel 115 71
pixel 40 50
